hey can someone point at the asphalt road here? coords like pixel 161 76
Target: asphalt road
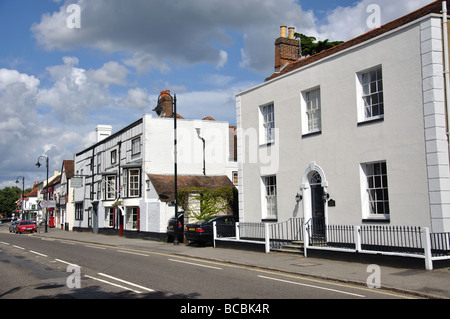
pixel 33 267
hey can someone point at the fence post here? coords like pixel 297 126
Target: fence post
pixel 427 248
pixel 267 238
pixel 305 239
pixel 214 234
pixel 358 238
pixel 238 236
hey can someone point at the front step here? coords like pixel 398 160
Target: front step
pixel 296 248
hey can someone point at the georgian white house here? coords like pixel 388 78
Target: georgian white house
pixel 115 194
pixel 353 135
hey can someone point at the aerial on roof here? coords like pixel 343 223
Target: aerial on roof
pixel 434 7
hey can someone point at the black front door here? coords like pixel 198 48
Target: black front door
pixel 318 210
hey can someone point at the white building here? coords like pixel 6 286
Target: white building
pixel 353 135
pixel 117 195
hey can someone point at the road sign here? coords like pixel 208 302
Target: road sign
pixel 47 204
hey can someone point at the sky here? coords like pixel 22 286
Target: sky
pixel 68 66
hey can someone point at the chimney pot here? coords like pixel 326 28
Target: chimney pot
pixel 291 33
pixel 283 31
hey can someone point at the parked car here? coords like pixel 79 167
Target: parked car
pixel 12 226
pixel 5 220
pixel 171 227
pixel 202 231
pixel 25 226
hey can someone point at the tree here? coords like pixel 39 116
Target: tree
pixel 211 202
pixel 8 198
pixel 310 47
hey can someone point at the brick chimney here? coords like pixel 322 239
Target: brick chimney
pixel 165 103
pixel 287 48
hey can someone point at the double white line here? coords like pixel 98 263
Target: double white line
pixel 113 278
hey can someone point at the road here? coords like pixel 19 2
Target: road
pixel 36 267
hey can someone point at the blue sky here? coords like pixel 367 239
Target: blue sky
pixel 57 83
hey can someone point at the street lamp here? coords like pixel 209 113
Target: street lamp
pixel 159 108
pixel 23 191
pixel 39 165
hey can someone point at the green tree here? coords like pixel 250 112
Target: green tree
pixel 212 202
pixel 310 47
pixel 8 198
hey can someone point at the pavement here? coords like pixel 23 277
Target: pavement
pixel 398 274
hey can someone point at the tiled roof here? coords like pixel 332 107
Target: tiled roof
pixel 434 7
pixel 69 166
pixel 164 184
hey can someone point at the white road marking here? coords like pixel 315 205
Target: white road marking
pixel 19 247
pixel 66 262
pixel 36 253
pixel 311 286
pixel 126 282
pixel 132 253
pixel 186 262
pixel 113 284
pixel 92 246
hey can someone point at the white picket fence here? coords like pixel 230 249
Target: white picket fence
pixel 405 241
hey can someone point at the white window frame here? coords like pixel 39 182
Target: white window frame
pixel 113 157
pixel 109 217
pixel 134 186
pixel 371 90
pixel 132 218
pixel 375 191
pixel 269 197
pixel 110 187
pixel 311 108
pixel 267 123
pixel 136 146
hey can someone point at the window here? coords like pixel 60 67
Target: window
pixel 109 217
pixel 79 211
pixel 132 218
pixel 113 157
pixel 376 190
pixel 99 163
pixel 270 194
pixel 235 178
pixel 111 187
pixel 311 108
pixel 268 124
pixel 134 182
pixel 371 99
pixel 136 146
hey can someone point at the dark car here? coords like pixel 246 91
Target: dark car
pixel 5 220
pixel 25 226
pixel 171 227
pixel 202 231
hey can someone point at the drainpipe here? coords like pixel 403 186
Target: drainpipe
pixel 446 65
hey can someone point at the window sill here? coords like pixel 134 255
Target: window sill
pixel 377 220
pixel 371 121
pixel 267 144
pixel 311 134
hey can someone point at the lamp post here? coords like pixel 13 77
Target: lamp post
pixel 23 191
pixel 39 165
pixel 159 109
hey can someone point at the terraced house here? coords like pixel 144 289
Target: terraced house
pixel 354 135
pixel 116 192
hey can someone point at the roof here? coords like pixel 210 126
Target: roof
pixel 164 184
pixel 68 165
pixel 434 7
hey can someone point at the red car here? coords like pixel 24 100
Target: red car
pixel 25 226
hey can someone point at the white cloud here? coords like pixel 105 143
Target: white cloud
pixel 223 59
pixel 344 23
pixel 137 98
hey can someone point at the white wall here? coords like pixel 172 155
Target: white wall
pixel 343 145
